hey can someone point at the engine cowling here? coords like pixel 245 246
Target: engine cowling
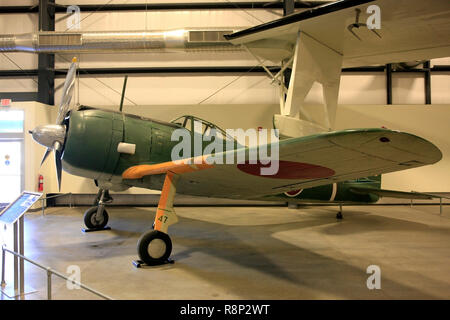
pixel 90 148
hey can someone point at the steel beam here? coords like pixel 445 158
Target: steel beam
pixel 427 79
pixel 288 7
pixel 365 69
pixel 18 9
pixel 166 6
pixel 208 69
pixel 388 83
pixel 46 62
pixel 442 68
pixel 19 96
pixel 167 70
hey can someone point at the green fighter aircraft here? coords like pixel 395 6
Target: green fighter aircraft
pixel 120 150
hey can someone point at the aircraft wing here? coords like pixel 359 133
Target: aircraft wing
pixel 392 193
pixel 304 162
pixel 410 30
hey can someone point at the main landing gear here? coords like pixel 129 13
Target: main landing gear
pixel 96 218
pixel 154 247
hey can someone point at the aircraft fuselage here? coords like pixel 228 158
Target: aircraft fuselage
pixel 91 151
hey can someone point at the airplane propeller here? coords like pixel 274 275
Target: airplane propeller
pixel 52 135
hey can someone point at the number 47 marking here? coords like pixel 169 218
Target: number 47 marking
pixel 163 219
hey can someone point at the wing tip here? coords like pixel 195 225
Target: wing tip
pixel 424 148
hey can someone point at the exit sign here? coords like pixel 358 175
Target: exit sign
pixel 5 102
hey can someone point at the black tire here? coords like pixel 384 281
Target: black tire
pixel 339 216
pixel 154 247
pixel 91 222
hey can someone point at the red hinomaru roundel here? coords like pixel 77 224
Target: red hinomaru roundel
pixel 288 170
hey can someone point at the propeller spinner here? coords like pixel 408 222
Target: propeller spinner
pixel 52 135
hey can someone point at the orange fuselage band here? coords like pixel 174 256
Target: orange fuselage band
pixel 177 167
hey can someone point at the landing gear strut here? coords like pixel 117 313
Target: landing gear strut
pixel 96 218
pixel 106 197
pixel 154 247
pixel 339 215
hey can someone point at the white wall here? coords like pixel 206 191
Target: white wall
pixel 428 122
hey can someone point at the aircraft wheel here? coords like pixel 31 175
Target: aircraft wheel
pixel 339 215
pixel 90 219
pixel 154 247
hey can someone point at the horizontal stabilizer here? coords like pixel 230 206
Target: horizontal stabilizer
pixel 392 193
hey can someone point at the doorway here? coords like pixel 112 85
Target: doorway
pixel 11 155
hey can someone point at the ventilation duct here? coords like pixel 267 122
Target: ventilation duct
pixel 160 41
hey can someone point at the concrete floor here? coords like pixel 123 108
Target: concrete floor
pixel 249 253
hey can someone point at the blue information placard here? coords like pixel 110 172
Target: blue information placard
pixel 18 207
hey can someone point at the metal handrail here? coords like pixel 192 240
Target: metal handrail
pixel 49 271
pixel 56 196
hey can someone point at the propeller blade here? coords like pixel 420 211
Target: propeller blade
pixel 58 164
pixel 67 93
pixel 47 152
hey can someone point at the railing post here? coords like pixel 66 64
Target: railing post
pixel 49 284
pixel 16 258
pixel 22 252
pixel 3 284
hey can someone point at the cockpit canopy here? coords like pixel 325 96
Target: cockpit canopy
pixel 200 126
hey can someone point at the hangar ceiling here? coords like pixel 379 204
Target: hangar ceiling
pixel 50 12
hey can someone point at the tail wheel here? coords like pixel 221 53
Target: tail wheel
pixel 90 219
pixel 154 247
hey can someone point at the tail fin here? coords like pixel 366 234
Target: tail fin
pixel 376 181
